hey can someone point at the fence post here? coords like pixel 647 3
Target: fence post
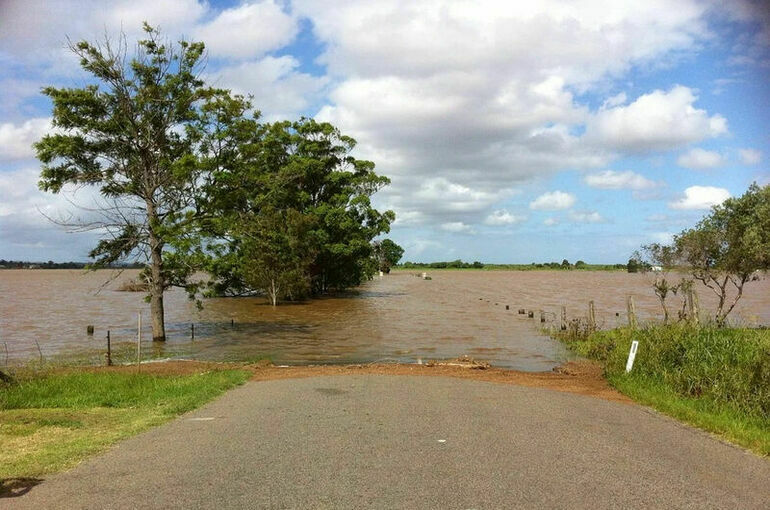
pixel 692 305
pixel 563 318
pixel 139 339
pixel 109 350
pixel 631 312
pixel 591 315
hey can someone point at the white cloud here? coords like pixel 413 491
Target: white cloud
pixel 585 217
pixel 699 159
pixel 279 90
pixel 457 227
pixel 700 197
pixel 483 95
pixel 750 156
pixel 37 30
pixel 656 121
pixel 610 179
pixel 553 201
pixel 248 30
pixel 16 140
pixel 550 222
pixel 503 217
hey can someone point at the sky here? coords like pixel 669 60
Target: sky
pixel 511 131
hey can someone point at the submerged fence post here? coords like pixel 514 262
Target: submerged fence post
pixel 109 350
pixel 563 318
pixel 192 331
pixel 631 312
pixel 591 315
pixel 692 305
pixel 139 339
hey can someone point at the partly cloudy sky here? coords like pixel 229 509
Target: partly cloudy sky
pixel 511 131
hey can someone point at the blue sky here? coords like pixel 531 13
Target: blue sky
pixel 511 131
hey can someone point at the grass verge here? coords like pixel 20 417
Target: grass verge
pixel 51 421
pixel 715 379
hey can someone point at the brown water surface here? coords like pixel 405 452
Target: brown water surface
pixel 398 317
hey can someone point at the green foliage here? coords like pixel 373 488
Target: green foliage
pixel 303 172
pixel 136 134
pixel 728 365
pixel 386 254
pixel 729 247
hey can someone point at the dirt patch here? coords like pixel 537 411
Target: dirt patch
pixel 580 377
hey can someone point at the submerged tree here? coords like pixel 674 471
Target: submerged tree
pixel 135 136
pixel 302 173
pixel 663 258
pixel 386 254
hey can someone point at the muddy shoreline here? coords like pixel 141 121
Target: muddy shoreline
pixel 581 377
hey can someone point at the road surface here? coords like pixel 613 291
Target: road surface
pixel 373 441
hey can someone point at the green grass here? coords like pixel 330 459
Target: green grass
pixel 715 379
pixel 51 421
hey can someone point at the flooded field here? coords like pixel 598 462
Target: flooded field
pixel 399 317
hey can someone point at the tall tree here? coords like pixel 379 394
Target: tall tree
pixel 303 169
pixel 729 247
pixel 135 134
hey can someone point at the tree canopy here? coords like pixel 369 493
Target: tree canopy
pixel 191 180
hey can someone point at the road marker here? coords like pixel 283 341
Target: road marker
pixel 631 356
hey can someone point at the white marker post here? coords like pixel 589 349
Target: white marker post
pixel 631 355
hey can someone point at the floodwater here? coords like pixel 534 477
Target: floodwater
pixel 398 317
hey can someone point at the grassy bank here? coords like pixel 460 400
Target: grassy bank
pixel 51 420
pixel 715 379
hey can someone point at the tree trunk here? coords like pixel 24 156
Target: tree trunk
pixel 157 284
pixel 273 292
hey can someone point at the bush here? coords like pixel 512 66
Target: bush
pixel 727 365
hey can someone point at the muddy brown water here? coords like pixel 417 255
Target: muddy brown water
pixel 399 317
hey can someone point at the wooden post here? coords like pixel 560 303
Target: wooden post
pixel 90 330
pixel 109 350
pixel 591 315
pixel 692 305
pixel 232 323
pixel 522 311
pixel 192 331
pixel 507 307
pixel 542 316
pixel 631 312
pixel 139 339
pixel 531 314
pixel 563 318
pixel 6 353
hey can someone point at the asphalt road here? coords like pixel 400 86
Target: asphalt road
pixel 368 441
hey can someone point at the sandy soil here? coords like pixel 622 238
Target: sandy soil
pixel 580 377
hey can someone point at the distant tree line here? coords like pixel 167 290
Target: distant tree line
pixel 192 181
pixel 24 264
pixel 459 264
